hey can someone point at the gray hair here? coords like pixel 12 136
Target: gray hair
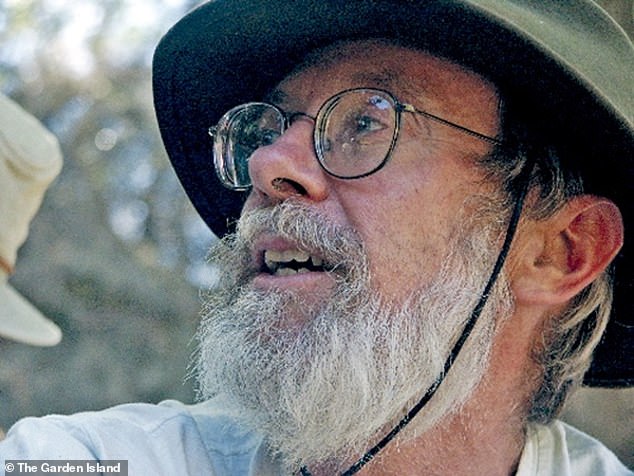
pixel 569 339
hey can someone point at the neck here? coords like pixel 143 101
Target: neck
pixel 468 443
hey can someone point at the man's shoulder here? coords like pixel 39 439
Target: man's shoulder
pixel 166 437
pixel 559 449
pixel 138 417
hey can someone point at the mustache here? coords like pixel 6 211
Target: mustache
pixel 340 246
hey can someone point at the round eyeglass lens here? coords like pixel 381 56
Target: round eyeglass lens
pixel 356 132
pixel 249 127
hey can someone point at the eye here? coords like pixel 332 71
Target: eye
pixel 366 124
pixel 268 136
pixel 253 136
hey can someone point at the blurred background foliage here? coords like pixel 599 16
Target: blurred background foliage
pixel 116 254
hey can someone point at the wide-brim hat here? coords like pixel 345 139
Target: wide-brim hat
pixel 569 62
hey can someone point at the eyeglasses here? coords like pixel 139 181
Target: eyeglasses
pixel 354 134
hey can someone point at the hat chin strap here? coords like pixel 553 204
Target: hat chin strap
pixel 524 182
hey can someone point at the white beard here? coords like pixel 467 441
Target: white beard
pixel 329 390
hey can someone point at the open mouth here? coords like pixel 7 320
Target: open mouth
pixel 290 262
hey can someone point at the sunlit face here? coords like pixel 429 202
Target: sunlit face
pixel 405 213
pixel 339 300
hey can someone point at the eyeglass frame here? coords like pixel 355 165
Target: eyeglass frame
pixel 319 119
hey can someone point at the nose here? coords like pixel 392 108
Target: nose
pixel 288 167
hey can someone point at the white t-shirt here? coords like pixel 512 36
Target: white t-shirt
pixel 560 449
pixel 204 439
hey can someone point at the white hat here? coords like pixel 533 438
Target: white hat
pixel 30 158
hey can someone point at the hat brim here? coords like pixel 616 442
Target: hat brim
pixel 228 52
pixel 22 322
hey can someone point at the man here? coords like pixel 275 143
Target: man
pixel 418 240
pixel 30 159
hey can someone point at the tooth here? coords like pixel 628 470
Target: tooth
pixel 268 260
pixel 272 256
pixel 302 256
pixel 317 261
pixel 297 255
pixel 303 270
pixel 285 272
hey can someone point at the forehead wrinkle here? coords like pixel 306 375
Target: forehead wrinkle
pixel 395 82
pixel 387 79
pixel 366 56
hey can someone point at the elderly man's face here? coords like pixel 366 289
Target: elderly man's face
pixel 325 360
pixel 405 213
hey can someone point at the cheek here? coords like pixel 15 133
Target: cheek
pixel 405 237
pixel 407 215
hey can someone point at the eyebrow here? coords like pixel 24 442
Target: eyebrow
pixel 386 79
pixel 276 96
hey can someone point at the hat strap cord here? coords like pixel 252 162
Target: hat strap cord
pixel 524 183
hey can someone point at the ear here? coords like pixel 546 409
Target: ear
pixel 561 255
